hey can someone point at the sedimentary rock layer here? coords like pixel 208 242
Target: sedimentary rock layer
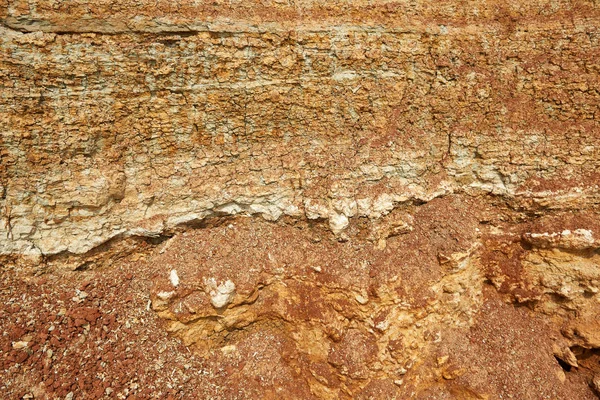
pixel 129 119
pixel 342 199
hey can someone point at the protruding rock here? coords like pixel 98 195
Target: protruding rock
pixel 565 355
pixel 338 222
pixel 221 295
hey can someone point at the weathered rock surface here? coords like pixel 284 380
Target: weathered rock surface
pixel 428 173
pixel 347 112
pixel 419 316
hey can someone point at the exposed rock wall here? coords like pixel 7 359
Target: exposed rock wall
pixel 428 173
pixel 129 119
pixel 416 317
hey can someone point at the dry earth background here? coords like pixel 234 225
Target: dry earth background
pixel 300 199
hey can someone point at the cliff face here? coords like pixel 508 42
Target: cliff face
pixel 429 171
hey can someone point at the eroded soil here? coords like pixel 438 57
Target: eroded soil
pixel 459 298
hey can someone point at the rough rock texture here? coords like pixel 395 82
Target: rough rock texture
pixel 169 119
pixel 342 199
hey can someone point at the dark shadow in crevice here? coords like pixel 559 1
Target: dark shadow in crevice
pixel 566 367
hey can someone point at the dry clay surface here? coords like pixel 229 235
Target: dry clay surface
pixel 303 199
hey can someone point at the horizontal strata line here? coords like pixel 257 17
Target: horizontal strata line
pixel 181 221
pixel 116 27
pixel 250 84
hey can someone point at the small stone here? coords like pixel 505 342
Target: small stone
pixel 165 295
pixel 80 322
pixel 361 299
pixel 174 278
pixel 560 374
pixel 442 360
pixel 19 345
pixel 228 349
pixel 223 294
pixel 338 222
pixel 21 357
pixel 81 294
pixel 382 326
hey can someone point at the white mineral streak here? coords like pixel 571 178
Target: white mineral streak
pixel 579 239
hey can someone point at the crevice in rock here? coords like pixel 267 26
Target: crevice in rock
pixel 564 365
